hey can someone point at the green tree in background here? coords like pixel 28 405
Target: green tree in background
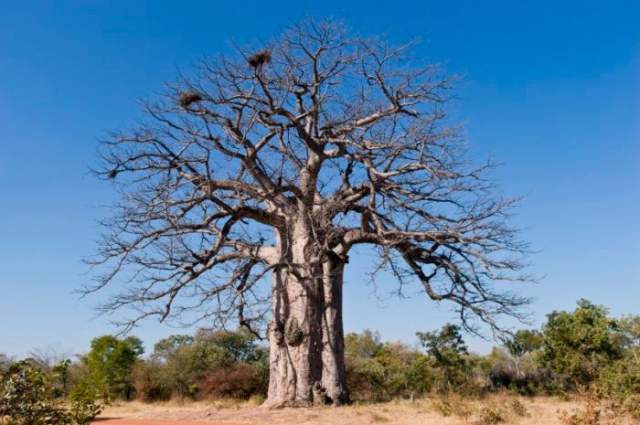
pixel 61 373
pixel 449 353
pixel 164 349
pixel 110 363
pixel 524 342
pixel 578 344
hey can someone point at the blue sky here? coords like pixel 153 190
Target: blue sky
pixel 551 90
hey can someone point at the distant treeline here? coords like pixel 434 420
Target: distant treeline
pixel 585 349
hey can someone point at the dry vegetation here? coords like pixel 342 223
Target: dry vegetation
pixel 494 409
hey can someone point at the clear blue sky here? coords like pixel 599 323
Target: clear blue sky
pixel 551 90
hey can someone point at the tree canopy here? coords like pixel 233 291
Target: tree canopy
pixel 277 162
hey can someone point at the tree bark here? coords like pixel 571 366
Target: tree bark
pixel 305 333
pixel 334 373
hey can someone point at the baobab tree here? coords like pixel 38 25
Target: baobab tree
pixel 248 184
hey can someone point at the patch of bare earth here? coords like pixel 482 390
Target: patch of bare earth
pixel 433 411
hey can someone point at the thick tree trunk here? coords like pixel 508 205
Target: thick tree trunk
pixel 334 375
pixel 306 336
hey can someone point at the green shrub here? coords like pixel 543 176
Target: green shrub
pixel 61 373
pixel 578 344
pixel 420 375
pixel 27 397
pixel 620 383
pixel 83 404
pixel 451 360
pixel 196 367
pixel 379 371
pixel 491 415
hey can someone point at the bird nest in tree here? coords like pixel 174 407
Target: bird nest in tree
pixel 189 97
pixel 258 59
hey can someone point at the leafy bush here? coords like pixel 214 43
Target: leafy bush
pixel 83 404
pixel 27 397
pixel 212 363
pixel 149 381
pixel 491 415
pixel 578 344
pixel 62 375
pixel 240 381
pixel 620 383
pixel 379 371
pixel 451 361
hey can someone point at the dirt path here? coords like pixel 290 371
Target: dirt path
pixel 119 421
pixel 435 411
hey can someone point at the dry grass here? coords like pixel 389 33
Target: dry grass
pixel 503 409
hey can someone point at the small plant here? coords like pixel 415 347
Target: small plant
pixel 84 407
pixel 256 399
pixel 452 405
pixel 443 406
pixel 591 414
pixel 632 405
pixel 518 408
pixel 491 415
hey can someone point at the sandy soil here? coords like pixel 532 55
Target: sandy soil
pixel 120 421
pixel 538 411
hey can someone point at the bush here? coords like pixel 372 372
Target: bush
pixel 491 415
pixel 620 383
pixel 449 405
pixel 193 367
pixel 240 381
pixel 150 382
pixel 522 375
pixel 578 344
pixel 452 363
pixel 590 414
pixel 381 371
pixel 519 409
pixel 27 397
pixel 84 406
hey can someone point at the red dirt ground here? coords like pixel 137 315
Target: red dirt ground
pixel 117 421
